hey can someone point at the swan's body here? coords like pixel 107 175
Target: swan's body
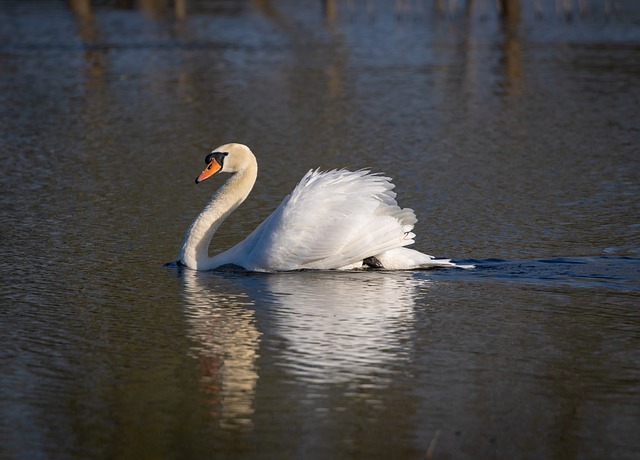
pixel 332 220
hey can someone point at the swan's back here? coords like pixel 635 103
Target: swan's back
pixel 331 220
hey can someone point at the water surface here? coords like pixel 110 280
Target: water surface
pixel 513 135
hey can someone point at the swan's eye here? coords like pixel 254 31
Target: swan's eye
pixel 218 156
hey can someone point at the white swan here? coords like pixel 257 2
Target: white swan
pixel 332 220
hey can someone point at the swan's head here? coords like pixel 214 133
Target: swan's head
pixel 229 158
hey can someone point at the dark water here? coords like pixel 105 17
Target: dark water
pixel 514 135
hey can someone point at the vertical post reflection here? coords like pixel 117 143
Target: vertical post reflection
pixel 180 8
pixel 510 15
pixel 155 8
pixel 81 8
pixel 94 56
pixel 330 11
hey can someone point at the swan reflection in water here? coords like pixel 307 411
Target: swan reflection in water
pixel 348 328
pixel 223 327
pixel 344 327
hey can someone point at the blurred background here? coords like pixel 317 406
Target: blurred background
pixel 511 127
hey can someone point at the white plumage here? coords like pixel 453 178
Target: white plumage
pixel 332 220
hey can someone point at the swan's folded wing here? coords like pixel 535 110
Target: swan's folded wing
pixel 331 219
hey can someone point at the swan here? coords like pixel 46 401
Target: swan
pixel 336 219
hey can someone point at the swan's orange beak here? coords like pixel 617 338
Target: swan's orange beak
pixel 212 167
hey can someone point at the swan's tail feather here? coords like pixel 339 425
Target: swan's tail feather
pixel 445 263
pixel 408 259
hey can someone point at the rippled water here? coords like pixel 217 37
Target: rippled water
pixel 514 136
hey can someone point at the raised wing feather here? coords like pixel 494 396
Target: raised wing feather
pixel 331 219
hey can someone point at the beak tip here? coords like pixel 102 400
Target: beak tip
pixel 212 168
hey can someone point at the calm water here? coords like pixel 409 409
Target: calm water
pixel 514 137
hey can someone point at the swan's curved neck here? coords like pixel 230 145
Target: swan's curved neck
pixel 194 252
